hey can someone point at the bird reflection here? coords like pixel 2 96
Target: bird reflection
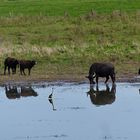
pixel 14 92
pixel 102 97
pixel 50 98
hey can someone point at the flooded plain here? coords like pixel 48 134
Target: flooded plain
pixel 70 111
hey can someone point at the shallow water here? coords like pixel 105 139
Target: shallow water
pixel 73 112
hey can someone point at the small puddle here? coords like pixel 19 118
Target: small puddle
pixel 70 111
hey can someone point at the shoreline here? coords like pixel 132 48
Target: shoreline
pixel 31 80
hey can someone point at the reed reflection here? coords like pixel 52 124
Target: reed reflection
pixel 16 92
pixel 102 97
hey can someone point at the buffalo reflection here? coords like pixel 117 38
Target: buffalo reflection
pixel 28 91
pixel 14 92
pixel 102 97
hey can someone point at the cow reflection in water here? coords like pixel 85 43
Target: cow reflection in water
pixel 28 91
pixel 102 97
pixel 13 92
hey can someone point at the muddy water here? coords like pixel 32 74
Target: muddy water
pixel 72 112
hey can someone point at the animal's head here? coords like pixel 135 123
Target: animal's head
pixel 34 62
pixel 91 79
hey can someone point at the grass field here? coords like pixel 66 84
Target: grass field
pixel 59 7
pixel 65 37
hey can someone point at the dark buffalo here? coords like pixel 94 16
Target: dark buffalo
pixel 26 64
pixel 11 63
pixel 102 97
pixel 101 70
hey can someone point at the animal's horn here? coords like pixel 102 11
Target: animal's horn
pixel 94 75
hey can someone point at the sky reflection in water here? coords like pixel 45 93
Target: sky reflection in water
pixel 70 111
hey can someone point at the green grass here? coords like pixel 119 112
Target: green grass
pixel 59 7
pixel 91 31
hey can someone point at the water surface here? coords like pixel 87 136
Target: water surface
pixel 70 111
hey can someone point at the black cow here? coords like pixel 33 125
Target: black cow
pixel 11 63
pixel 102 97
pixel 139 72
pixel 101 70
pixel 26 64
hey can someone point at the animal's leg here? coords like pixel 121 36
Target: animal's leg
pixel 15 70
pixel 107 88
pixel 107 78
pixel 113 89
pixel 5 70
pixel 9 70
pixel 97 88
pixel 12 70
pixel 113 78
pixel 24 72
pixel 29 71
pixel 97 79
pixel 20 71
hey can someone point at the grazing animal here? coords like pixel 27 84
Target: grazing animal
pixel 101 70
pixel 26 64
pixel 11 63
pixel 139 72
pixel 104 96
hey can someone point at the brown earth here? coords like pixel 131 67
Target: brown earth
pixel 19 79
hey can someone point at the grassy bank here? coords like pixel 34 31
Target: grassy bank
pixel 67 44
